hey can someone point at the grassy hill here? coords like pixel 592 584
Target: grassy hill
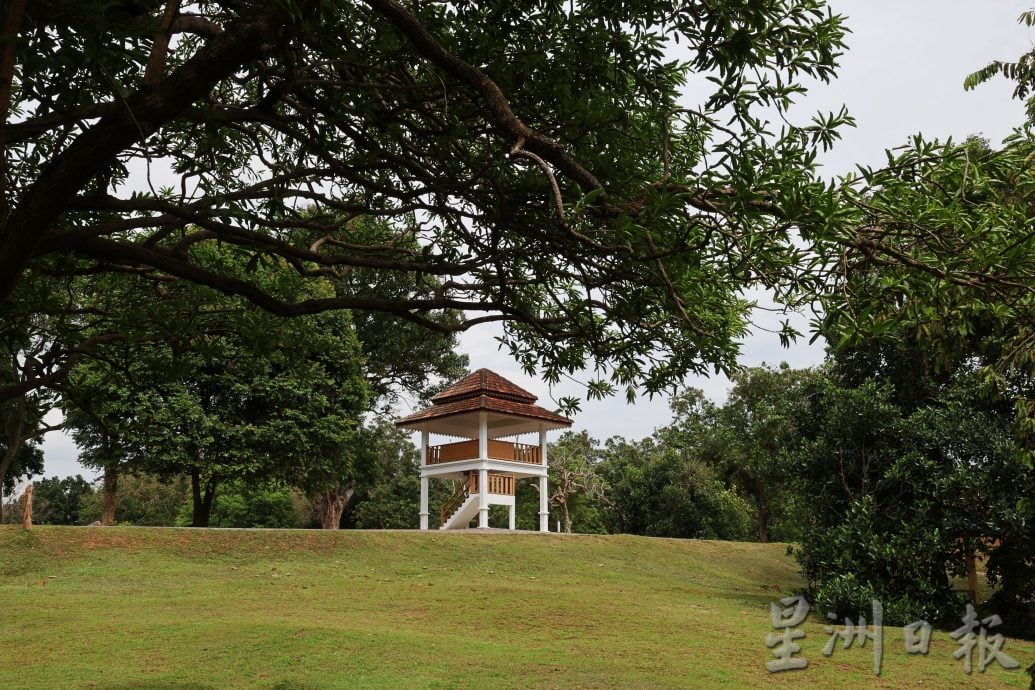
pixel 179 608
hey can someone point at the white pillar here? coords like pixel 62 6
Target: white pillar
pixel 542 445
pixel 423 502
pixel 544 504
pixel 513 516
pixel 423 480
pixel 544 485
pixel 483 435
pixel 483 498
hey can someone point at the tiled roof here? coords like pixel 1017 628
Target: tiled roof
pixel 484 390
pixel 488 404
pixel 483 382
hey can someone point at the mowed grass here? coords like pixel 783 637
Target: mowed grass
pixel 180 608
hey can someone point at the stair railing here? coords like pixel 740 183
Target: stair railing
pixel 455 501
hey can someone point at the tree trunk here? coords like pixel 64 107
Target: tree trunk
pixel 111 480
pixel 763 522
pixel 566 516
pixel 330 506
pixel 202 498
pixel 27 508
pixel 14 444
pixel 971 560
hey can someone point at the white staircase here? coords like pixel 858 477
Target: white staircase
pixel 463 515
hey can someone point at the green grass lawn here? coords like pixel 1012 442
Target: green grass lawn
pixel 180 608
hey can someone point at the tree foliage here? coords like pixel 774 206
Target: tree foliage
pixel 60 501
pixel 906 471
pixel 746 441
pixel 146 500
pixel 215 389
pixel 254 504
pixel 1020 72
pixel 663 490
pixel 390 497
pixel 530 160
pixel 576 490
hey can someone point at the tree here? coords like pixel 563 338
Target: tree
pixel 143 500
pixel 216 389
pixel 253 504
pixel 331 485
pixel 746 441
pixel 905 477
pixel 660 490
pixel 530 158
pixel 58 501
pixel 390 496
pixel 572 459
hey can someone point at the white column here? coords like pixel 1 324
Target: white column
pixel 544 504
pixel 513 516
pixel 423 502
pixel 483 435
pixel 544 485
pixel 542 445
pixel 483 497
pixel 423 480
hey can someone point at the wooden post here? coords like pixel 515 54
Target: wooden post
pixel 27 508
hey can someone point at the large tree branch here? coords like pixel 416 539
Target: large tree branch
pixel 407 308
pixel 145 111
pixel 12 23
pixel 30 384
pixel 501 114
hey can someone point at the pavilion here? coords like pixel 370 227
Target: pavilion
pixel 483 409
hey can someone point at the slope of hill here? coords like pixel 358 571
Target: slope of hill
pixel 180 608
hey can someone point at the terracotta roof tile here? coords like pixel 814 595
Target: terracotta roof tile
pixel 484 390
pixel 483 382
pixel 484 402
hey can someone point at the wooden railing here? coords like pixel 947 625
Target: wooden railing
pixel 501 484
pixel 498 483
pixel 524 452
pixel 498 450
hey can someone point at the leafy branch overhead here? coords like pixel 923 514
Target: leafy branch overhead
pixel 531 164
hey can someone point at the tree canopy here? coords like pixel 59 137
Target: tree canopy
pixel 531 162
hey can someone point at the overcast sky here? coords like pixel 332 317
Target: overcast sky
pixel 902 74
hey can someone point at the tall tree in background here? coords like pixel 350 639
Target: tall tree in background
pixel 59 501
pixel 143 500
pixel 216 389
pixel 661 489
pixel 573 459
pixel 757 427
pixel 390 498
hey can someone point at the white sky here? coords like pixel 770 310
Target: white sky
pixel 902 74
